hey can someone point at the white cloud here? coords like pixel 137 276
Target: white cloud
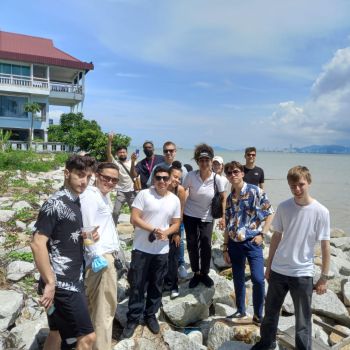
pixel 325 116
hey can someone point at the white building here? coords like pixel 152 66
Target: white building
pixel 32 69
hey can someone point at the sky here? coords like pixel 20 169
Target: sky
pixel 229 73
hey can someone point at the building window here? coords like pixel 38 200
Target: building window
pixel 40 72
pixel 12 106
pixel 14 69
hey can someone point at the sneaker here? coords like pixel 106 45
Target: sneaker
pixel 260 346
pixel 182 272
pixel 128 331
pixel 207 281
pixel 174 293
pixel 238 316
pixel 194 281
pixel 257 320
pixel 152 324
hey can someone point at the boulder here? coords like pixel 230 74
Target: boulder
pixel 335 338
pixel 18 269
pixel 288 305
pixel 223 310
pixel 330 306
pixel 342 243
pixel 229 345
pixel 11 303
pixel 21 205
pixel 219 332
pixel 346 293
pixel 179 341
pixel 6 215
pixel 196 336
pixel 122 288
pixel 337 233
pixel 224 292
pixel 21 225
pixel 191 306
pixel 218 259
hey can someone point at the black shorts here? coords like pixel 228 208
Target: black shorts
pixel 71 316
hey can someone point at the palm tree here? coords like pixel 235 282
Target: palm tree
pixel 32 108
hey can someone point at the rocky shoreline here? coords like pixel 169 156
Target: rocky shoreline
pixel 194 320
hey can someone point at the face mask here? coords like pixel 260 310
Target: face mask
pixel 148 152
pixel 122 159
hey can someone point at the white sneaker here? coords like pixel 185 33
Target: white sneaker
pixel 174 293
pixel 182 271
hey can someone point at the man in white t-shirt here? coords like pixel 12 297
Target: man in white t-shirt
pixel 101 286
pixel 156 214
pixel 125 187
pixel 299 223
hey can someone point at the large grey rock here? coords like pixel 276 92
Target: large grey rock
pixel 223 310
pixel 288 305
pixel 179 341
pixel 191 306
pixel 11 303
pixel 124 218
pixel 342 243
pixel 224 292
pixel 122 288
pixel 30 333
pixel 346 293
pixel 329 305
pixel 196 336
pixel 337 233
pixel 6 215
pixel 219 333
pixel 342 265
pixel 125 344
pixel 229 345
pixel 21 225
pixel 21 205
pixel 218 259
pixel 16 270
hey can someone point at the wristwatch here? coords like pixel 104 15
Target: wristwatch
pixel 325 277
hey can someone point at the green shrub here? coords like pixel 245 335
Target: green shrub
pixel 23 256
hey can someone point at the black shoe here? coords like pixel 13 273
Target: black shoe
pixel 238 316
pixel 257 320
pixel 207 281
pixel 128 331
pixel 194 281
pixel 260 346
pixel 152 324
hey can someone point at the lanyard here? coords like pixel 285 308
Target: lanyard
pixel 150 167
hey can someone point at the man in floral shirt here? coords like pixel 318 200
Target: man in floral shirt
pixel 248 217
pixel 57 247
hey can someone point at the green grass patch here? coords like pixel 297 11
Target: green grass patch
pixel 25 215
pixel 29 285
pixel 125 209
pixel 23 256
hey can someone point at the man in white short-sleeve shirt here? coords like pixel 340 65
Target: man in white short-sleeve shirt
pixel 156 214
pixel 299 223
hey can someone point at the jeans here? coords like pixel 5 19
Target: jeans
pixel 122 197
pixel 301 291
pixel 198 236
pixel 171 279
pixel 150 269
pixel 239 252
pixel 182 245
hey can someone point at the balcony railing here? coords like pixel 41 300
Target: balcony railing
pixel 42 147
pixel 39 83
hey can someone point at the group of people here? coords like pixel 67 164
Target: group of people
pixel 81 297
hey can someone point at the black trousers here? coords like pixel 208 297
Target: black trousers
pixel 198 237
pixel 301 292
pixel 171 279
pixel 150 269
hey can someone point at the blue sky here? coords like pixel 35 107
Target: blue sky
pixel 227 72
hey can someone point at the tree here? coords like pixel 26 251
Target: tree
pixel 4 139
pixel 32 108
pixel 87 135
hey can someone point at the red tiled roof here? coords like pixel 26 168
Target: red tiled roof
pixel 33 49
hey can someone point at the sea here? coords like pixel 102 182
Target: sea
pixel 330 178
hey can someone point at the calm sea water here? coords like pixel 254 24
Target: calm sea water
pixel 330 178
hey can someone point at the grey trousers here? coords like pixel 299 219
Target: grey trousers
pixel 122 197
pixel 301 292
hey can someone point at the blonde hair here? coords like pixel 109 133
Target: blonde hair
pixel 297 172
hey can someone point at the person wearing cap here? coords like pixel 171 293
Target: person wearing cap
pixel 218 168
pixel 145 167
pixel 197 217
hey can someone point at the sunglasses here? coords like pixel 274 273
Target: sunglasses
pixel 251 155
pixel 160 178
pixel 233 172
pixel 105 178
pixel 168 150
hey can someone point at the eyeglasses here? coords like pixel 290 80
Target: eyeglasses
pixel 251 154
pixel 233 172
pixel 160 178
pixel 169 150
pixel 105 178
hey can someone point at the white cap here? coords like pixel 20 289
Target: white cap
pixel 218 159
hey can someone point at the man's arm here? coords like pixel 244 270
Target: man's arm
pixel 109 147
pixel 275 241
pixel 136 220
pixel 173 228
pixel 42 261
pixel 261 185
pixel 321 285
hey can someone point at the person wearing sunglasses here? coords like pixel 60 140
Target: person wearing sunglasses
pixel 248 218
pixel 101 285
pixel 252 173
pixel 197 218
pixel 169 152
pixel 156 214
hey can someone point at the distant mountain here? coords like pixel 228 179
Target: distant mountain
pixel 219 148
pixel 328 149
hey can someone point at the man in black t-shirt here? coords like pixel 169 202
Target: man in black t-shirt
pixel 57 247
pixel 252 174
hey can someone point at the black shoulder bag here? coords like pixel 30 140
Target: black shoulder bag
pixel 216 203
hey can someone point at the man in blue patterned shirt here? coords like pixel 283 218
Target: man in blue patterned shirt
pixel 248 217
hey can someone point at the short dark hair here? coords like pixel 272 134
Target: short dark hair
pixel 168 143
pixel 161 169
pixel 188 167
pixel 119 148
pixel 249 149
pixel 146 142
pixel 232 165
pixel 76 162
pixel 106 165
pixel 176 165
pixel 203 148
